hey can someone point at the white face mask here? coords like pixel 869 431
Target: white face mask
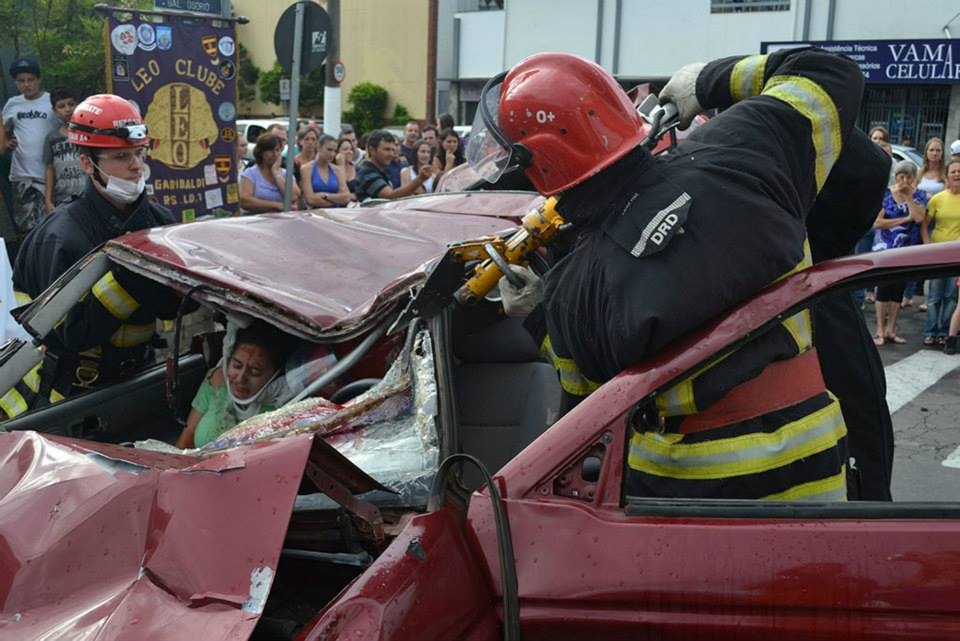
pixel 124 191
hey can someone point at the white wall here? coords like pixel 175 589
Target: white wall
pixel 658 36
pixel 654 43
pixel 480 49
pixel 550 25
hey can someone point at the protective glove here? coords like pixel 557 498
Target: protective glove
pixel 518 302
pixel 681 90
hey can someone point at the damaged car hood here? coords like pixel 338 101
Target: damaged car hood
pixel 320 274
pixel 99 541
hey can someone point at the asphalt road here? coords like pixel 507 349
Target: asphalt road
pixel 923 392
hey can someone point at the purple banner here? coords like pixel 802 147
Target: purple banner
pixel 181 71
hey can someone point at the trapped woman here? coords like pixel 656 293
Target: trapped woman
pixel 248 381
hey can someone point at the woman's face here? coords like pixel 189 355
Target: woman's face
pixel 905 181
pixel 308 144
pixel 934 151
pixel 328 151
pixel 423 154
pixel 248 370
pixel 877 136
pixel 346 148
pixel 953 176
pixel 450 143
pixel 270 156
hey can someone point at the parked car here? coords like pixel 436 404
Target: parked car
pixel 900 152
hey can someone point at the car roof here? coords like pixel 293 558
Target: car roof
pixel 320 274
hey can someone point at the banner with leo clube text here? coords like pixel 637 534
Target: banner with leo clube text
pixel 181 72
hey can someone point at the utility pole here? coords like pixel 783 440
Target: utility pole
pixel 331 89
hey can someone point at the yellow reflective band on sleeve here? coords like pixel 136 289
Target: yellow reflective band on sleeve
pixel 13 404
pixel 660 455
pixel 130 335
pixel 32 378
pixel 571 379
pixel 22 298
pixel 114 297
pixel 678 400
pixel 55 396
pixel 815 104
pixel 801 329
pixel 832 488
pixel 746 79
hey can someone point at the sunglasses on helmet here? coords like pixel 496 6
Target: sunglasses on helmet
pixel 132 132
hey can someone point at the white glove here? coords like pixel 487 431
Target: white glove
pixel 682 92
pixel 518 302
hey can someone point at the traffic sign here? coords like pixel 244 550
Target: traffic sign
pixel 317 37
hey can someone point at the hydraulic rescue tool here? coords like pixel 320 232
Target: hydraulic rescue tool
pixel 470 270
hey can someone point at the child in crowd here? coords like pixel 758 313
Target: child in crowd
pixel 65 180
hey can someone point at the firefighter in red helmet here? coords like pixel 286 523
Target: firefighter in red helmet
pixel 666 243
pixel 108 335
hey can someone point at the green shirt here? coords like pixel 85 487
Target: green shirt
pixel 217 417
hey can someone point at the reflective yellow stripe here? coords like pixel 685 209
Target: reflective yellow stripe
pixel 130 335
pixel 114 297
pixel 832 488
pixel 746 79
pixel 815 104
pixel 32 378
pixel 805 262
pixel 13 403
pixel 683 402
pixel 570 377
pixel 55 396
pixel 22 298
pixel 801 329
pixel 678 400
pixel 666 454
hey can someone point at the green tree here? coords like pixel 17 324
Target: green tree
pixel 66 37
pixel 369 106
pixel 400 115
pixel 311 88
pixel 269 84
pixel 247 76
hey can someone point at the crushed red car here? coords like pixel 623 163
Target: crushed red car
pixel 347 518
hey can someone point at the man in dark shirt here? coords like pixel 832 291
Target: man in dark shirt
pixel 373 179
pixel 411 133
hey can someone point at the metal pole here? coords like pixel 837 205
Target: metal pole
pixel 294 103
pixel 331 88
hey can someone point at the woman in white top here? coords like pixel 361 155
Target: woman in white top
pixel 931 179
pixel 932 176
pixel 423 153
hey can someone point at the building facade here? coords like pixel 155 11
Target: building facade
pixel 645 41
pixel 433 56
pixel 383 42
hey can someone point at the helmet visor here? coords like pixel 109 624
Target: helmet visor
pixel 489 153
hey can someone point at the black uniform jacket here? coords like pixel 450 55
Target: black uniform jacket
pixel 68 234
pixel 668 243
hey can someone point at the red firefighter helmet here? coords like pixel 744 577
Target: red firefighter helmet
pixel 107 121
pixel 559 116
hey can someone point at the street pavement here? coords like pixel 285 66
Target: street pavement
pixel 923 393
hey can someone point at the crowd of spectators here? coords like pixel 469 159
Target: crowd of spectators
pixel 378 165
